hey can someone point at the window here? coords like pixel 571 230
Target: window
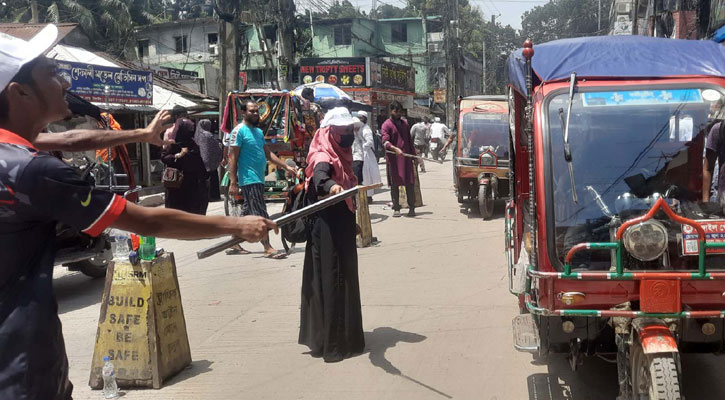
pixel 213 38
pixel 181 44
pixel 143 49
pixel 399 33
pixel 343 35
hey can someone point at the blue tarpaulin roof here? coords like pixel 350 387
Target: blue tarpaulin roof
pixel 719 35
pixel 617 57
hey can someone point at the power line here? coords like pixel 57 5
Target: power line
pixel 494 6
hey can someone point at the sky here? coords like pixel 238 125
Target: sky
pixel 508 12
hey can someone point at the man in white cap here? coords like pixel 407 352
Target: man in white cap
pixel 439 133
pixel 36 192
pixel 371 171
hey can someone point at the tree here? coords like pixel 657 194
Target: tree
pixel 561 19
pixel 388 11
pixel 108 23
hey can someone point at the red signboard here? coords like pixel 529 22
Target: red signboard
pixel 340 71
pixel 714 233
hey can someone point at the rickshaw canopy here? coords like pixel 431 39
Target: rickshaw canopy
pixel 617 56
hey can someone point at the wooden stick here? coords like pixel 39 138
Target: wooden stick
pixel 413 156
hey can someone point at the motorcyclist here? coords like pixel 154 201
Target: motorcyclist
pixel 439 133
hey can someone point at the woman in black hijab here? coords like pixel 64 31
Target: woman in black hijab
pixel 184 155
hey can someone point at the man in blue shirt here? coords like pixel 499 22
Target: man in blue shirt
pixel 248 157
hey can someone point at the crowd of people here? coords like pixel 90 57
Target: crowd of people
pixel 38 190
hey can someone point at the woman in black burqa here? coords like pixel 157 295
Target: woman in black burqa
pixel 331 315
pixel 193 195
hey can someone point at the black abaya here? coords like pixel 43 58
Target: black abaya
pixel 331 314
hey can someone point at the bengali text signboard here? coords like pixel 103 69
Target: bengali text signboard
pixel 393 76
pixel 125 86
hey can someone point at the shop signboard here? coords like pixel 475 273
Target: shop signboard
pixel 393 76
pixel 348 72
pixel 383 99
pixel 174 73
pixel 439 96
pixel 125 86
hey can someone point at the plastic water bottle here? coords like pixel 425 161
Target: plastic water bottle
pixel 147 248
pixel 119 245
pixel 110 388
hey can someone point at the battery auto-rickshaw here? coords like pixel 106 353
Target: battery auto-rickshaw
pixel 614 247
pixel 482 154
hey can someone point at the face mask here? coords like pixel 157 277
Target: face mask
pixel 346 140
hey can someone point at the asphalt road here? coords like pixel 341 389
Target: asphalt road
pixel 436 311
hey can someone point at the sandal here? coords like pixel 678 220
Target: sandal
pixel 237 251
pixel 276 256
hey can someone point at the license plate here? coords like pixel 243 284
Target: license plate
pixel 660 296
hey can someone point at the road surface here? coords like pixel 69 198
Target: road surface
pixel 436 311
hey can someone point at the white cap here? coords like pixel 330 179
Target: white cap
pixel 340 116
pixel 14 52
pixel 436 119
pixel 362 113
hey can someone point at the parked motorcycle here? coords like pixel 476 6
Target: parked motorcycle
pixel 76 250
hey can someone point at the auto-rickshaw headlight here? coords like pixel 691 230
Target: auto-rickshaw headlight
pixel 646 241
pixel 488 160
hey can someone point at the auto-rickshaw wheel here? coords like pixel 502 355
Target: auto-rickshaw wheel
pixel 485 201
pixel 655 376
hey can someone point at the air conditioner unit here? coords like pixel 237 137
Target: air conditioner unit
pixel 624 7
pixel 434 47
pixel 214 49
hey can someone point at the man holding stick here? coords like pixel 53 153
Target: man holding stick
pixel 401 169
pixel 37 191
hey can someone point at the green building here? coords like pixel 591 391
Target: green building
pixel 403 41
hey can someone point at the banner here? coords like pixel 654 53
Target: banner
pixel 340 71
pixel 125 86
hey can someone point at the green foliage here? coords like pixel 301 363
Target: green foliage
pixel 388 11
pixel 561 19
pixel 108 23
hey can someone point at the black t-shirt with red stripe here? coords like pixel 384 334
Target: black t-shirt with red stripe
pixel 36 192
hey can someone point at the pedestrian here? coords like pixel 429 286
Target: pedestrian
pixel 371 171
pixel 177 113
pixel 248 164
pixel 331 312
pixel 211 152
pixel 358 154
pixel 401 171
pixel 311 112
pixel 185 156
pixel 420 133
pixel 443 134
pixel 714 154
pixel 38 191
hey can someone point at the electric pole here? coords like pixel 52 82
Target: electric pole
pixel 635 27
pixel 285 37
pixel 484 63
pixel 452 53
pixel 599 18
pixel 34 11
pixel 228 55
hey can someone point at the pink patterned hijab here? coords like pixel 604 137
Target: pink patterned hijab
pixel 325 148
